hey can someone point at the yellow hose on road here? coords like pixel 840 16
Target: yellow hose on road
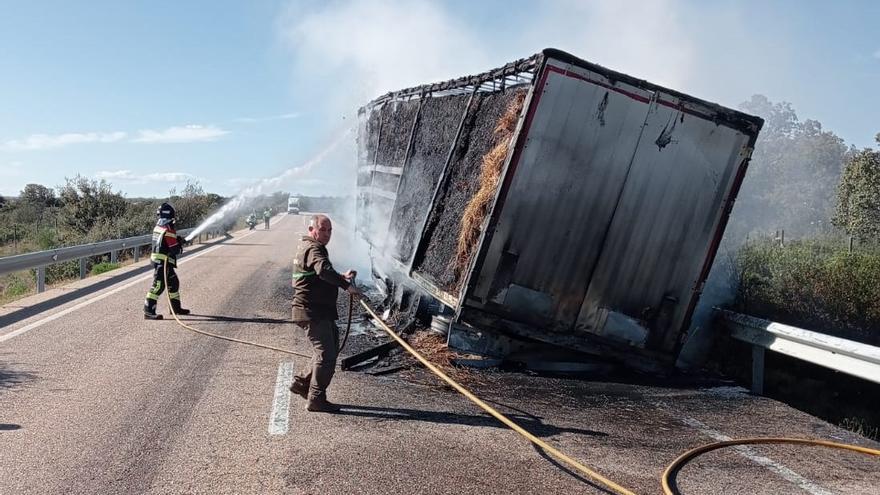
pixel 690 454
pixel 593 475
pixel 583 469
pixel 221 337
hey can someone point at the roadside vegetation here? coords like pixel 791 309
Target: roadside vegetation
pixel 804 249
pixel 85 210
pixel 817 284
pixel 807 223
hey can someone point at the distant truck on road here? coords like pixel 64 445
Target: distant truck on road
pixel 293 205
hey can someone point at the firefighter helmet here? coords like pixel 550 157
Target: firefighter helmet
pixel 165 211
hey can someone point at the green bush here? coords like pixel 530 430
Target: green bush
pixel 16 285
pixel 103 267
pixel 58 272
pixel 817 284
pixel 46 238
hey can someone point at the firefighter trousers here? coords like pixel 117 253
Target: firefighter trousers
pixel 158 286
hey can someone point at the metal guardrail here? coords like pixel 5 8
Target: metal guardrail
pixel 853 358
pixel 41 259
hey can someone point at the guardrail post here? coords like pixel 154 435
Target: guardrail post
pixel 114 256
pixel 757 370
pixel 82 268
pixel 41 279
pixel 137 253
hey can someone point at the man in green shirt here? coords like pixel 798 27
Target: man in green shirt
pixel 316 286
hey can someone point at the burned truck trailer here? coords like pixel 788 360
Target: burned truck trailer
pixel 552 199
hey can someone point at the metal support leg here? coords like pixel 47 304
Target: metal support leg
pixel 757 370
pixel 114 256
pixel 137 254
pixel 82 268
pixel 41 279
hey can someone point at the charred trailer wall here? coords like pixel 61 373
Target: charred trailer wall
pixel 432 138
pixel 441 263
pixel 410 135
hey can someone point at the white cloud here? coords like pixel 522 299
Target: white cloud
pixel 130 177
pixel 175 134
pixel 47 141
pixel 181 134
pixel 251 120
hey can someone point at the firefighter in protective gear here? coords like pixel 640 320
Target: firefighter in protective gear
pixel 167 246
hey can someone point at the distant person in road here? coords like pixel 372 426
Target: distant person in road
pixel 316 285
pixel 267 214
pixel 167 246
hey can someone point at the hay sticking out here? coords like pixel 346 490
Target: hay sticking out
pixel 433 348
pixel 490 173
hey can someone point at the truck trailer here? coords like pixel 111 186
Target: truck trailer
pixel 552 200
pixel 293 205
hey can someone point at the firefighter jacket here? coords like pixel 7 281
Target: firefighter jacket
pixel 315 283
pixel 167 245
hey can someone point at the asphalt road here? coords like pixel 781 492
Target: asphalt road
pixel 94 399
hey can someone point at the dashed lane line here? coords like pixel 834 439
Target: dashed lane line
pixel 280 417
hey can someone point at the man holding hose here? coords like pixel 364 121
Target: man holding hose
pixel 316 285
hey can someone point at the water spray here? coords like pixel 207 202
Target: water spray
pixel 267 185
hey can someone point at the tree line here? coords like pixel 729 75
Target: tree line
pixel 86 210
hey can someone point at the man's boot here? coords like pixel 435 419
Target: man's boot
pixel 178 310
pixel 321 404
pixel 300 387
pixel 150 310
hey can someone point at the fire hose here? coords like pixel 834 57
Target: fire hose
pixel 668 473
pixel 246 342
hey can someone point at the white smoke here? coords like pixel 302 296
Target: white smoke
pixel 360 49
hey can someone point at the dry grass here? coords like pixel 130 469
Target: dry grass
pixel 433 348
pixel 490 173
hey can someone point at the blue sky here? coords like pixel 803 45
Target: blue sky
pixel 150 94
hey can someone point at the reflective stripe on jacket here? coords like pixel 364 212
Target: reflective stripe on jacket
pixel 166 244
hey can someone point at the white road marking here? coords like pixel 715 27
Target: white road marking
pixel 750 454
pixel 279 419
pixel 65 312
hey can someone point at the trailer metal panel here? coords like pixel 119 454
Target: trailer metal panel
pixel 670 210
pixel 570 174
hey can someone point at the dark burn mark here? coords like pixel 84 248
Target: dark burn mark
pixel 665 137
pixel 600 113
